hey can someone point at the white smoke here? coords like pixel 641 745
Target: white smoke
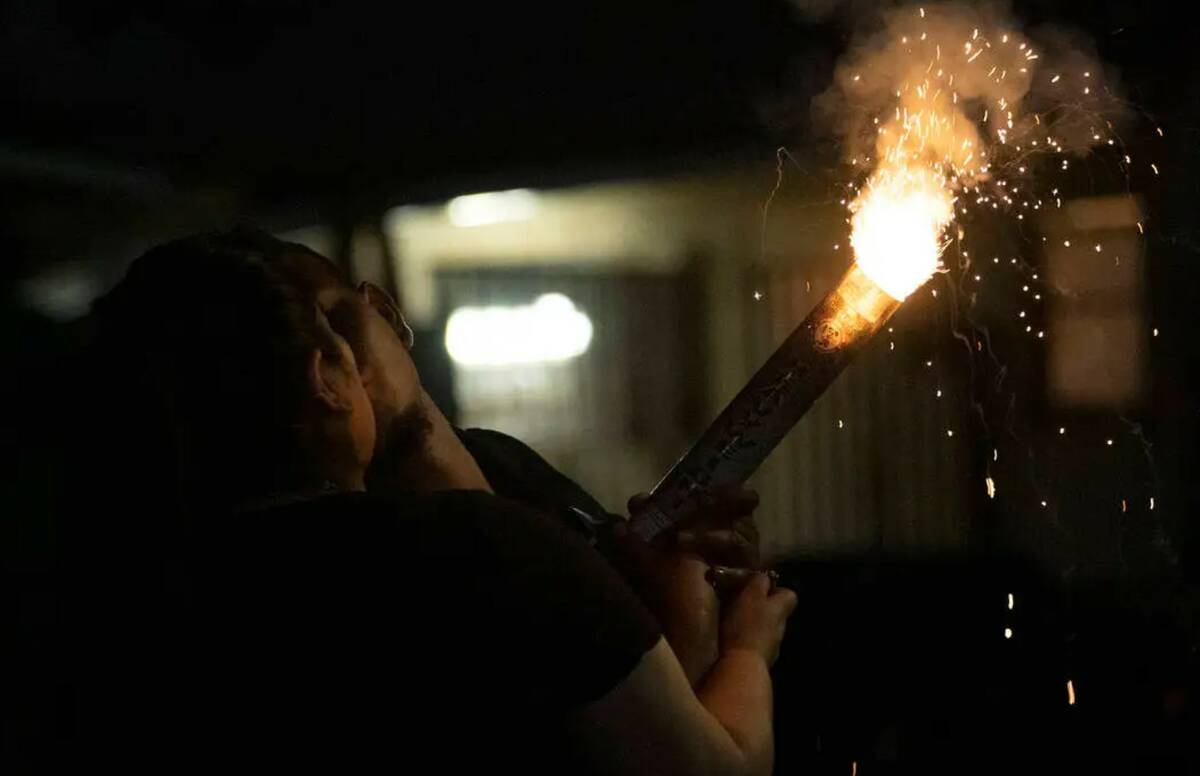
pixel 999 92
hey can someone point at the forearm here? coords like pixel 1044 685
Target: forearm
pixel 653 722
pixel 737 692
pixel 687 617
pixel 695 655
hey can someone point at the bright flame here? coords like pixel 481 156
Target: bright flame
pixel 897 228
pixel 940 106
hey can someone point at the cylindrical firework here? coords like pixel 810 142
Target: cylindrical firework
pixel 778 395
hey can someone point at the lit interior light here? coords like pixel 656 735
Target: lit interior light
pixel 550 329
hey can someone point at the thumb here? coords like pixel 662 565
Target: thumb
pixel 785 600
pixel 637 502
pixel 756 589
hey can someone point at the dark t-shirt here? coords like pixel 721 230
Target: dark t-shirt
pixel 517 472
pixel 438 632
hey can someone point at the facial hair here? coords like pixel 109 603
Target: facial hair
pixel 401 451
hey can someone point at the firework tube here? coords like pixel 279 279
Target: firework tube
pixel 777 396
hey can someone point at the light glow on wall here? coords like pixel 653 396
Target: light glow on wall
pixel 493 207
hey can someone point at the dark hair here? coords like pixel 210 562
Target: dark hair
pixel 206 341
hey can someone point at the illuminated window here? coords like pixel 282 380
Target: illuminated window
pixel 1096 333
pixel 592 369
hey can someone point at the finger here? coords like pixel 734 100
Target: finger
pixel 726 496
pixel 745 525
pixel 691 567
pixel 751 552
pixel 722 509
pixel 763 584
pixel 724 547
pixel 758 587
pixel 738 500
pixel 637 502
pixel 729 576
pixel 786 600
pixel 748 528
pixel 715 536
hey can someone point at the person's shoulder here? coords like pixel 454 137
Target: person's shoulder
pixel 518 471
pixel 486 521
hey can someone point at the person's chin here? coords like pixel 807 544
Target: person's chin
pixel 402 444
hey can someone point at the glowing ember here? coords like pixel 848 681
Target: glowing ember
pixel 1070 693
pixel 991 487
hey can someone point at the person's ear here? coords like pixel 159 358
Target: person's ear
pixel 332 376
pixel 327 382
pixel 386 306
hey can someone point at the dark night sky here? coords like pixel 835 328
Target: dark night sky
pixel 382 103
pixel 324 96
pixel 317 94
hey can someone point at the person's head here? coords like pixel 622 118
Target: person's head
pixel 381 339
pixel 221 363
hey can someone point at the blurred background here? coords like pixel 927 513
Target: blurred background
pixel 989 516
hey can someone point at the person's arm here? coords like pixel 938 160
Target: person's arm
pixel 653 722
pixel 579 640
pixel 673 587
pixel 670 578
pixel 737 692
